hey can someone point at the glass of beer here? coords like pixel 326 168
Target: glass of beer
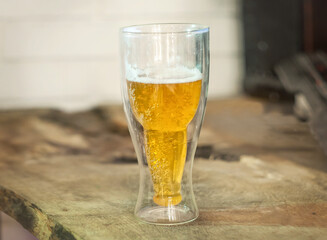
pixel 165 71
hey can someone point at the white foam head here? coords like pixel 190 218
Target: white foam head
pixel 161 75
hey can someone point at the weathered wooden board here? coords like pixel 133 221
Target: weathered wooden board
pixel 259 174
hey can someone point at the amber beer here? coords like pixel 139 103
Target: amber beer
pixel 165 107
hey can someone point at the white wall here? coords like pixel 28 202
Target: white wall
pixel 64 53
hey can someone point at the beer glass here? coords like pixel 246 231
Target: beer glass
pixel 165 70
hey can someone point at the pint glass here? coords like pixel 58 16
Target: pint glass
pixel 165 70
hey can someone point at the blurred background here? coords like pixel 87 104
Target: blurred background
pixel 65 53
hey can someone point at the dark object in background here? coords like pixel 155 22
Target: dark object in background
pixel 315 25
pixel 276 30
pixel 275 33
pixel 305 76
pixel 272 32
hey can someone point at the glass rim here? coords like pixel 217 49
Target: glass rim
pixel 189 28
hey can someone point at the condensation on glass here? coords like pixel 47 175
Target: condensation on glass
pixel 165 71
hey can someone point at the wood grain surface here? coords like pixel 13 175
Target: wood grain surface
pixel 258 174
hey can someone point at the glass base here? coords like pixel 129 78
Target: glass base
pixel 172 215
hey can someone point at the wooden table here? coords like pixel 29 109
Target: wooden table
pixel 259 174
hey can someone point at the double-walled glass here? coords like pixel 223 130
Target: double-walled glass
pixel 165 70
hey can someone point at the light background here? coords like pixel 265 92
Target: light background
pixel 65 53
